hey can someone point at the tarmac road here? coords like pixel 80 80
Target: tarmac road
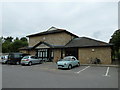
pixel 48 76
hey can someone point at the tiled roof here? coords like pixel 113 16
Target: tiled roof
pixel 85 42
pixel 47 44
pixel 25 48
pixel 77 42
pixel 52 31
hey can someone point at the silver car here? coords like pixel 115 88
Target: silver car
pixel 29 60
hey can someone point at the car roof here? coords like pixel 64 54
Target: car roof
pixel 70 56
pixel 29 56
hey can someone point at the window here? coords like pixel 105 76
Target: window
pixel 52 54
pixel 42 53
pixel 26 57
pixel 73 58
pixel 45 54
pixel 17 56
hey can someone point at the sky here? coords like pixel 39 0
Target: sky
pixel 97 20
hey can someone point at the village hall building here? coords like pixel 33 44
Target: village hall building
pixel 54 44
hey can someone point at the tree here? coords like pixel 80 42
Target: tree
pixel 24 39
pixel 6 47
pixel 115 40
pixel 16 45
pixel 6 44
pixel 10 45
pixel 16 38
pixel 1 40
pixel 9 39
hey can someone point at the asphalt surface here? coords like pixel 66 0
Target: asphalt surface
pixel 48 76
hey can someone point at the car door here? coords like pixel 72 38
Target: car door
pixel 74 61
pixel 37 60
pixel 33 59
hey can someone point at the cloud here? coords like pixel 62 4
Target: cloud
pixel 80 18
pixel 97 34
pixel 0 19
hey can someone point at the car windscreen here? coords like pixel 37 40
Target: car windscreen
pixel 14 56
pixel 67 58
pixel 11 56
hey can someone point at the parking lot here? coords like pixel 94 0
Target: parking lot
pixel 47 75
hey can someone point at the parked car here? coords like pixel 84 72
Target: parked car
pixel 29 60
pixel 15 58
pixel 68 62
pixel 4 59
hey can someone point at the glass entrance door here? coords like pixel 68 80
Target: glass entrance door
pixel 45 54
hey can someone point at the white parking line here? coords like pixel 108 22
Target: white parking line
pixel 106 74
pixel 82 70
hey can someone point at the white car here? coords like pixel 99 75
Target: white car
pixel 29 60
pixel 4 59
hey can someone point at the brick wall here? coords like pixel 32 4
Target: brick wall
pixel 53 39
pixel 103 53
pixel 57 55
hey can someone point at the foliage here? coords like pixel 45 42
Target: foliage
pixel 23 39
pixel 9 39
pixel 10 45
pixel 115 40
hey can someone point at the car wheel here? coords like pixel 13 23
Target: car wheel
pixel 6 62
pixel 58 68
pixel 30 63
pixel 78 64
pixel 70 67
